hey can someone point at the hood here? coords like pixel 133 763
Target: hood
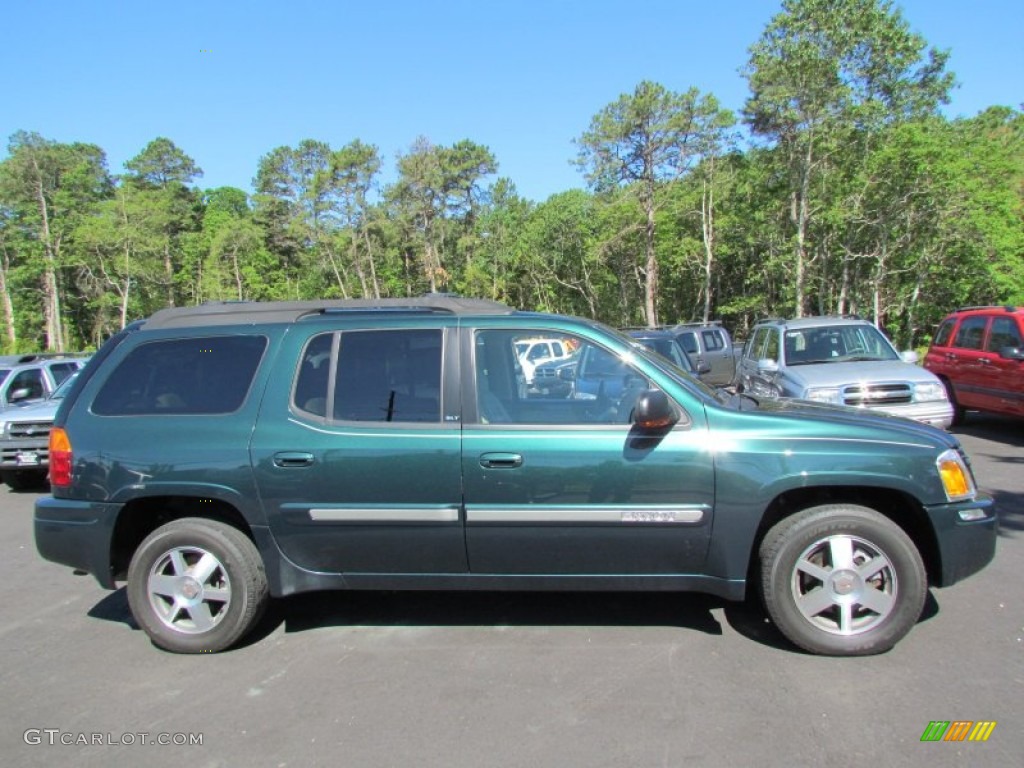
pixel 40 410
pixel 846 419
pixel 856 372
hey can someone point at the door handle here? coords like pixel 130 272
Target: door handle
pixel 501 460
pixel 293 459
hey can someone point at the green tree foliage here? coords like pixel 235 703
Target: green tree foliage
pixel 47 189
pixel 857 197
pixel 642 140
pixel 824 77
pixel 436 204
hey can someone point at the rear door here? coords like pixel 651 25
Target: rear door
pixel 357 451
pixel 967 371
pixel 719 355
pixel 1001 380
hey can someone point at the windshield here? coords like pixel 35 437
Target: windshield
pixel 65 385
pixel 668 348
pixel 677 373
pixel 837 344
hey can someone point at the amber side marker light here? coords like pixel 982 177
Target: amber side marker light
pixel 954 476
pixel 60 457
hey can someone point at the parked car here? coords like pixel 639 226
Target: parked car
pixel 35 378
pixel 213 456
pixel 665 342
pixel 978 354
pixel 554 378
pixel 25 440
pixel 843 361
pixel 534 352
pixel 709 344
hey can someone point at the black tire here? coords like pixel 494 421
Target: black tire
pixel 860 585
pixel 24 479
pixel 959 412
pixel 197 586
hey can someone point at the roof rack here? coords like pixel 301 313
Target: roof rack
pixel 246 312
pixel 697 324
pixel 1004 307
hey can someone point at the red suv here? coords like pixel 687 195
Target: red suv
pixel 978 352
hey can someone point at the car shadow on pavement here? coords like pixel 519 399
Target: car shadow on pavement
pixel 1000 429
pixel 444 608
pixel 1005 431
pixel 317 610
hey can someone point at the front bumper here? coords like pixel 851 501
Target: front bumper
pixel 937 413
pixel 24 454
pixel 77 534
pixel 965 546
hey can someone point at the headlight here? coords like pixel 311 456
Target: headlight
pixel 956 477
pixel 929 391
pixel 825 395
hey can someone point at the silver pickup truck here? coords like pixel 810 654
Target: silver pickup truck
pixel 708 344
pixel 25 437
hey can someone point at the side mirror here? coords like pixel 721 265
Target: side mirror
pixel 1011 353
pixel 653 410
pixel 909 356
pixel 703 366
pixel 767 365
pixel 19 394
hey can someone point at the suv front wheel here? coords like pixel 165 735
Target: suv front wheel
pixel 196 586
pixel 842 580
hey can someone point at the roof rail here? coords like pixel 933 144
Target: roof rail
pixel 1004 307
pixel 245 312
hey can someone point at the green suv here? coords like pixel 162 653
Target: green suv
pixel 215 456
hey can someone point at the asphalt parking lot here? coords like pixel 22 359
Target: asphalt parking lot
pixel 494 679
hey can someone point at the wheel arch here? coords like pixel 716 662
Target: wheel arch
pixel 140 517
pixel 901 508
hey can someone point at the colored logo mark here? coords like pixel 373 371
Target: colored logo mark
pixel 958 730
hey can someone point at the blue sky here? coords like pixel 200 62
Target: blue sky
pixel 228 81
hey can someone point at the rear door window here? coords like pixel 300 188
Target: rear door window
pixel 971 333
pixel 372 376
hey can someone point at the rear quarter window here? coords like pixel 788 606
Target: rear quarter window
pixel 944 332
pixel 713 341
pixel 182 376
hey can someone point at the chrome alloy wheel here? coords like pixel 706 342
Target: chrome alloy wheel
pixel 844 585
pixel 189 590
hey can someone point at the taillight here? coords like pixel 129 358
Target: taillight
pixel 60 457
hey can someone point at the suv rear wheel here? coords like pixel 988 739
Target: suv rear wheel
pixel 842 580
pixel 196 586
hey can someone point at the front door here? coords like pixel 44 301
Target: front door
pixel 357 454
pixel 566 486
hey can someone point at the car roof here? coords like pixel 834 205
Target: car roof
pixel 246 312
pixel 987 310
pixel 814 322
pixel 46 363
pixel 652 333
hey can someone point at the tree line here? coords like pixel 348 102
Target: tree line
pixel 838 188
